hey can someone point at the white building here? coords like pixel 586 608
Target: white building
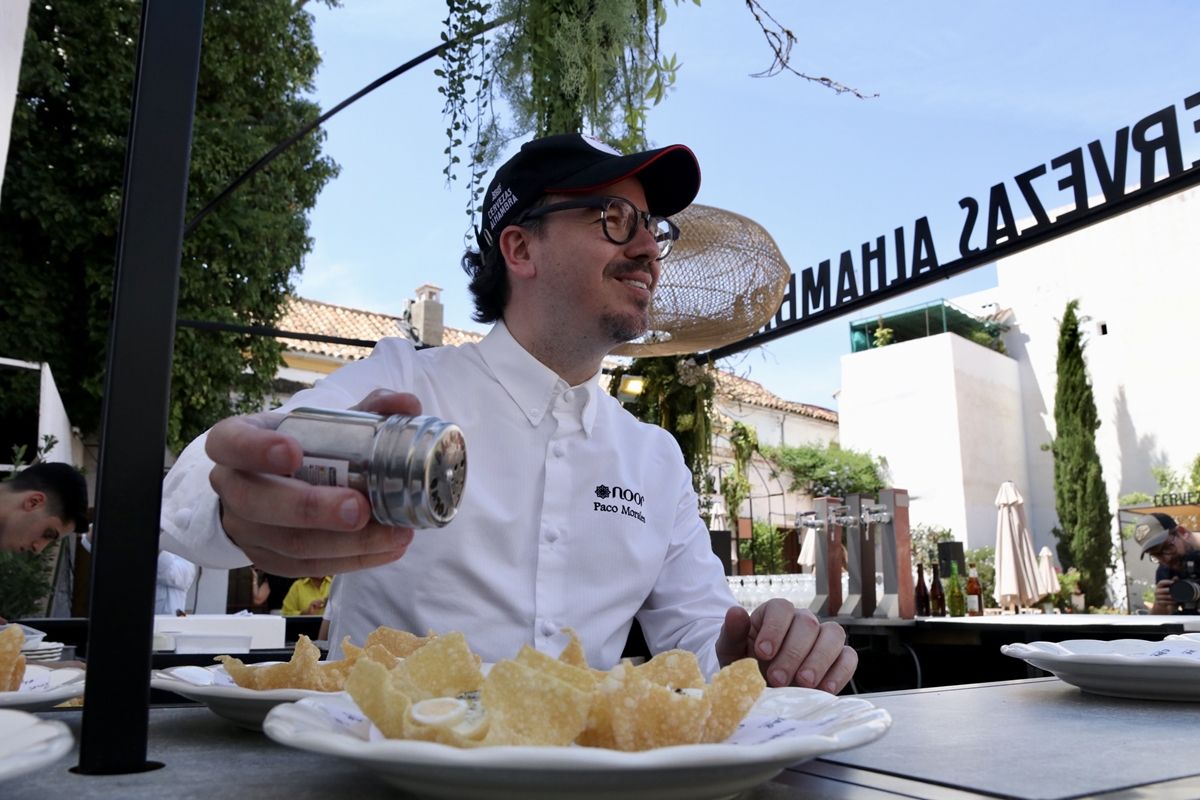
pixel 955 419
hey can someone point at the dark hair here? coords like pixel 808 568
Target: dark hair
pixel 1166 520
pixel 489 274
pixel 64 487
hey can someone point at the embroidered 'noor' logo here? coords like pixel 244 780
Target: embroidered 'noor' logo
pixel 628 495
pixel 619 493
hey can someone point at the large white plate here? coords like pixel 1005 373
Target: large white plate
pixel 785 727
pixel 28 743
pixel 213 687
pixel 1166 670
pixel 44 688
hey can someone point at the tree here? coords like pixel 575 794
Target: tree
pixel 1084 537
pixel 62 196
pixel 830 470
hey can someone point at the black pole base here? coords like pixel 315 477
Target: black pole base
pixel 145 766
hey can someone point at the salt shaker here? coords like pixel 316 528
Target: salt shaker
pixel 411 468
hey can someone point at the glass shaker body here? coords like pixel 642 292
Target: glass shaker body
pixel 413 469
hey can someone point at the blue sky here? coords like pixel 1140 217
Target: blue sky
pixel 970 94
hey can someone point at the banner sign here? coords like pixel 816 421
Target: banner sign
pixel 908 257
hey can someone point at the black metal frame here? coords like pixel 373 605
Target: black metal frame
pixel 137 389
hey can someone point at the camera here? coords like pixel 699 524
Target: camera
pixel 1185 591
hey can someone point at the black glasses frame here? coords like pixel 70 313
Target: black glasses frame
pixel 650 222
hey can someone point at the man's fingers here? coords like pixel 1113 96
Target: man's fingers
pixel 735 633
pixel 267 544
pixel 286 502
pixel 289 567
pixel 838 675
pixel 382 401
pixel 808 654
pixel 250 443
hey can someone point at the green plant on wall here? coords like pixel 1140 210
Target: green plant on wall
pixel 883 335
pixel 766 548
pixel 735 485
pixel 677 395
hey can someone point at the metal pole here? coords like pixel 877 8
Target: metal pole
pixel 137 387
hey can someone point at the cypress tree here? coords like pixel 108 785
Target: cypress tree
pixel 1079 493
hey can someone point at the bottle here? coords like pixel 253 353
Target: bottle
pixel 412 469
pixel 937 597
pixel 921 593
pixel 974 592
pixel 956 601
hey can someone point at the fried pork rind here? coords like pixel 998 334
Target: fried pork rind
pixel 12 663
pixel 304 671
pixel 573 653
pixel 400 644
pixel 435 695
pixel 528 707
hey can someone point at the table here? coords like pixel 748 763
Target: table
pixel 1038 738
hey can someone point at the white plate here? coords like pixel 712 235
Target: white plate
pixel 28 743
pixel 44 688
pixel 786 726
pixel 213 687
pixel 1165 670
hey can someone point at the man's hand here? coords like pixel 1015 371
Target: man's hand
pixel 793 648
pixel 284 525
pixel 1163 602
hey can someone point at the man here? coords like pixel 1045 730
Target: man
pixel 41 504
pixel 570 253
pixel 1167 543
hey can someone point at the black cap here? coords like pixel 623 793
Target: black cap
pixel 573 162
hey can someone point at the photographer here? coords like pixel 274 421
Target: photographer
pixel 1168 543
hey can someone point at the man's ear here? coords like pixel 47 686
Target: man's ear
pixel 514 244
pixel 33 500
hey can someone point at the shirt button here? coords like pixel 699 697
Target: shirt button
pixel 551 536
pixel 548 628
pixel 559 451
pixel 183 517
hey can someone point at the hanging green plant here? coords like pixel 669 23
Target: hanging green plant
pixel 677 396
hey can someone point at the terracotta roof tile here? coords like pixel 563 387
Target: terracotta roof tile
pixel 313 316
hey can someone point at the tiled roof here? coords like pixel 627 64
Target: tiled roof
pixel 312 316
pixel 735 387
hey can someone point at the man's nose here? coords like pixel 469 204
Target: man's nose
pixel 643 245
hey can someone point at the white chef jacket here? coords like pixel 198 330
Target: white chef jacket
pixel 574 514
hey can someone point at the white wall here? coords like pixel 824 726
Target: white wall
pixel 13 17
pixel 946 414
pixel 1140 274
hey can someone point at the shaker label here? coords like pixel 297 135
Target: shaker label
pixel 323 471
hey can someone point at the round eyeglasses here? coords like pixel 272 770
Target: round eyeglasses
pixel 619 219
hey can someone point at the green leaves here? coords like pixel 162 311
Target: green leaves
pixel 1080 496
pixel 829 470
pixel 61 202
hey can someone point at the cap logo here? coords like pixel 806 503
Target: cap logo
pixel 502 201
pixel 603 147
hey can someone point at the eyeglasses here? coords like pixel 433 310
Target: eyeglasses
pixel 619 220
pixel 1164 552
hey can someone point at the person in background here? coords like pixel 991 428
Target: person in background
pixel 307 596
pixel 1166 542
pixel 41 504
pixel 576 514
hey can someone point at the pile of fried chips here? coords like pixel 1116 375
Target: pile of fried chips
pixel 306 670
pixel 439 694
pixel 433 688
pixel 12 663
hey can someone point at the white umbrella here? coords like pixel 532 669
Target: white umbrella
pixel 1016 565
pixel 1047 576
pixel 808 550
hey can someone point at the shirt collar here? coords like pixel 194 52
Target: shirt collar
pixel 532 385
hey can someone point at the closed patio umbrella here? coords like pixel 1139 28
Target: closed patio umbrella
pixel 1016 565
pixel 1047 576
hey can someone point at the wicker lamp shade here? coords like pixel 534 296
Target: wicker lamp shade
pixel 724 279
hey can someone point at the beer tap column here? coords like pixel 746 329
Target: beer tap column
pixel 896 550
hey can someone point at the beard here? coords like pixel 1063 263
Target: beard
pixel 621 328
